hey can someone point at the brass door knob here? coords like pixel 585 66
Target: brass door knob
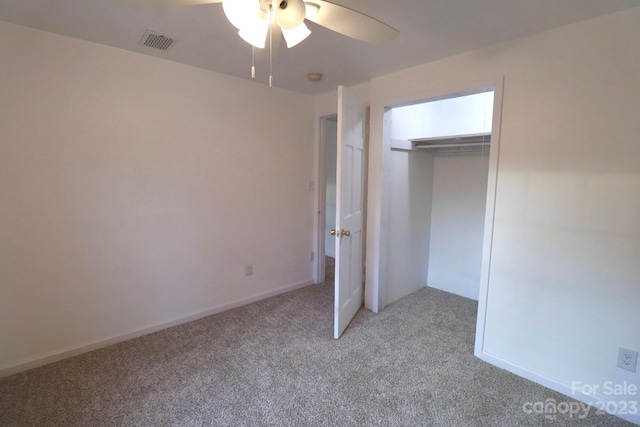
pixel 345 233
pixel 341 233
pixel 332 232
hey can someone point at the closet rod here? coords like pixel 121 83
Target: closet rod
pixel 419 146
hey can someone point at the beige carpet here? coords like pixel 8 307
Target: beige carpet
pixel 274 363
pixel 329 268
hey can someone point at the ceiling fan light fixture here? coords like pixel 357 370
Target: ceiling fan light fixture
pixel 295 36
pixel 310 10
pixel 241 12
pixel 290 14
pixel 255 33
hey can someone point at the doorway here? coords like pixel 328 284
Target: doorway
pixel 350 205
pixel 327 198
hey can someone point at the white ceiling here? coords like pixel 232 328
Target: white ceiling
pixel 429 30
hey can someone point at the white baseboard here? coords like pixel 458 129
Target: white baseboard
pixel 56 355
pixel 595 400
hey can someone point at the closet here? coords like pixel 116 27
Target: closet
pixel 439 165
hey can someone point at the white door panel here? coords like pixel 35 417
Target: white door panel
pixel 350 180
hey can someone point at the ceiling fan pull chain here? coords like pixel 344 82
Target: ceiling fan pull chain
pixel 270 48
pixel 253 62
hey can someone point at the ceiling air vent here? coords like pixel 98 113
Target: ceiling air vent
pixel 156 41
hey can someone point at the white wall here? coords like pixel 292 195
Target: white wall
pixel 135 189
pixel 327 104
pixel 563 292
pixel 457 222
pixel 330 206
pixel 410 203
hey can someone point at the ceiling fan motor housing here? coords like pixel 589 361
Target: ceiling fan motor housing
pixel 290 14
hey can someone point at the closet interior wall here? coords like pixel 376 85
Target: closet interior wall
pixel 457 222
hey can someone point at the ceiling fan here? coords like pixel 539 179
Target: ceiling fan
pixel 257 19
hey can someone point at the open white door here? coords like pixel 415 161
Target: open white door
pixel 350 180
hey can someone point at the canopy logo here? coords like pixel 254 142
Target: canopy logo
pixel 618 401
pixel 550 408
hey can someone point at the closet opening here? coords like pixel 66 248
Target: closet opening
pixel 439 166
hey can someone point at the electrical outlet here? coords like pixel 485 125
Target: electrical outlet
pixel 627 359
pixel 248 269
pixel 312 256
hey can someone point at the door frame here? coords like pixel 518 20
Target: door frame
pixel 379 190
pixel 319 267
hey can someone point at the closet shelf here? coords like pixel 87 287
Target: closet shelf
pixel 469 141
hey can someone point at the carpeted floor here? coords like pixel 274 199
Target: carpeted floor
pixel 274 363
pixel 329 268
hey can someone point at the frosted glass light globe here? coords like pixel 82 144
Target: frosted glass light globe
pixel 241 12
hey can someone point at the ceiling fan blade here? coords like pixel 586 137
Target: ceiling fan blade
pixel 164 3
pixel 352 23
